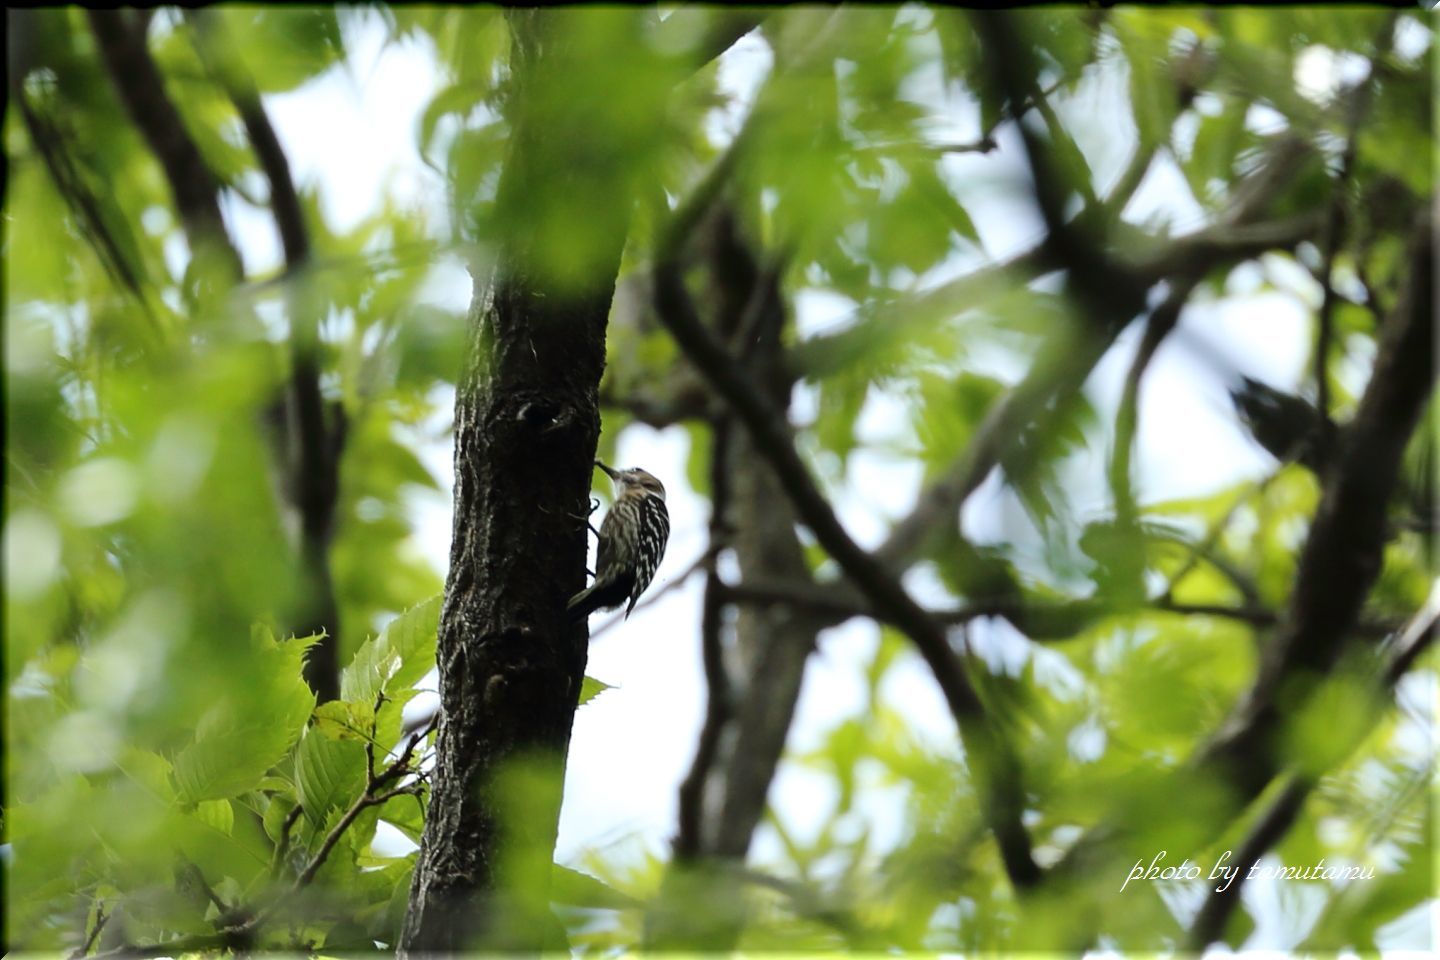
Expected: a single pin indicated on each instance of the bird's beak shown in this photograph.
(613, 474)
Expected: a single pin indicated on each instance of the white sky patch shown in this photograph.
(351, 132)
(1320, 72)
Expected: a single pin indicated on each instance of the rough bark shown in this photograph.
(511, 663)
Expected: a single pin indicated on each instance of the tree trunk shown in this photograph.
(526, 424)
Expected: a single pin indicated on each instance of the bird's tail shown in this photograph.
(600, 595)
(581, 605)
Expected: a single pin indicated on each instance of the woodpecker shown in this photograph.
(632, 542)
(1289, 427)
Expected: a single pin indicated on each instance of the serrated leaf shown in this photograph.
(345, 720)
(590, 688)
(329, 773)
(237, 742)
(396, 658)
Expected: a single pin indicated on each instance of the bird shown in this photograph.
(632, 544)
(1289, 427)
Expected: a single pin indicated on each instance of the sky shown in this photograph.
(353, 132)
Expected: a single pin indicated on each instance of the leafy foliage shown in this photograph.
(169, 773)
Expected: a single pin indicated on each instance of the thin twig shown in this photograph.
(101, 918)
(1274, 823)
(1207, 547)
(1162, 320)
(283, 846)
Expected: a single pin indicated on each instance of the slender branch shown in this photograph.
(1162, 320)
(1274, 823)
(283, 847)
(992, 764)
(721, 29)
(219, 57)
(333, 837)
(101, 918)
(985, 144)
(1228, 243)
(1415, 639)
(314, 445)
(1039, 621)
(121, 38)
(718, 704)
(1343, 554)
(1209, 925)
(1356, 105)
(85, 206)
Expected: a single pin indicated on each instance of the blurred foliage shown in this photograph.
(158, 735)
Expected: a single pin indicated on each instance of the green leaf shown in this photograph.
(458, 99)
(284, 47)
(274, 817)
(345, 720)
(216, 813)
(237, 742)
(1153, 100)
(329, 773)
(590, 688)
(399, 656)
(1218, 141)
(575, 889)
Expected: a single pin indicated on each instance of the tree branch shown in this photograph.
(1343, 554)
(992, 765)
(314, 442)
(718, 704)
(101, 918)
(120, 35)
(1209, 924)
(1037, 621)
(1339, 564)
(1162, 320)
(1066, 361)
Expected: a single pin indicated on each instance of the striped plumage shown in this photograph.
(632, 543)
